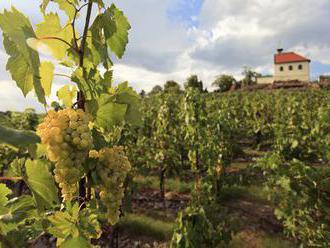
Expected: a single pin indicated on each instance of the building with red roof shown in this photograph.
(289, 66)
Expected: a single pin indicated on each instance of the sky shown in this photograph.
(172, 39)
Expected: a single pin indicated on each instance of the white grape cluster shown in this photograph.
(112, 168)
(68, 139)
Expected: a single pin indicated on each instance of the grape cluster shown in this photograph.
(68, 139)
(112, 168)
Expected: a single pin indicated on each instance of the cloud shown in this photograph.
(12, 98)
(172, 39)
(247, 32)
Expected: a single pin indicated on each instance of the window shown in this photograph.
(281, 68)
(300, 67)
(290, 68)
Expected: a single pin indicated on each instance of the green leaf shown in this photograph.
(86, 87)
(106, 82)
(4, 191)
(23, 63)
(78, 242)
(21, 209)
(44, 5)
(119, 39)
(96, 50)
(41, 183)
(127, 95)
(67, 94)
(294, 144)
(63, 225)
(64, 5)
(51, 27)
(109, 113)
(16, 168)
(46, 74)
(18, 138)
(114, 25)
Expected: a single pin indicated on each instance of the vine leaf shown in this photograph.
(4, 191)
(21, 209)
(46, 75)
(64, 5)
(50, 28)
(18, 138)
(66, 94)
(114, 25)
(23, 63)
(126, 95)
(76, 242)
(64, 226)
(16, 168)
(41, 183)
(109, 113)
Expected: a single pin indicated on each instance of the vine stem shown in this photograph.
(59, 39)
(62, 75)
(10, 178)
(81, 98)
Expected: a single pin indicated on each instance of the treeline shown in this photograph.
(222, 83)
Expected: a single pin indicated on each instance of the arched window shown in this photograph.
(281, 68)
(290, 68)
(300, 67)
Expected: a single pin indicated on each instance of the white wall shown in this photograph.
(265, 80)
(294, 74)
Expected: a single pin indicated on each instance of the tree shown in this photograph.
(142, 94)
(223, 82)
(193, 82)
(172, 87)
(250, 76)
(155, 90)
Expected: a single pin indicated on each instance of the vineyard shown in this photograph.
(107, 167)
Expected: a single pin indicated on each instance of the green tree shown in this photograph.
(172, 87)
(142, 94)
(193, 82)
(155, 90)
(250, 76)
(223, 82)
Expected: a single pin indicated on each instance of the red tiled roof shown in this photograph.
(289, 57)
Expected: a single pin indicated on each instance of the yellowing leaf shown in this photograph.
(51, 28)
(46, 75)
(4, 191)
(67, 94)
(23, 63)
(64, 5)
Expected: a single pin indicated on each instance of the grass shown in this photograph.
(253, 192)
(171, 184)
(260, 241)
(142, 225)
(239, 165)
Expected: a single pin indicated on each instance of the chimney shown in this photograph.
(280, 50)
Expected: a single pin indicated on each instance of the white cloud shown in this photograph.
(12, 98)
(229, 35)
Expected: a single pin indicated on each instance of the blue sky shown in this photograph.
(171, 39)
(186, 11)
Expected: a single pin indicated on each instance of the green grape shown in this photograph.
(60, 131)
(112, 168)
